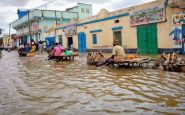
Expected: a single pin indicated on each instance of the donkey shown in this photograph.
(95, 57)
(169, 62)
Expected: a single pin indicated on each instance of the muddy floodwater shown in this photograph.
(36, 86)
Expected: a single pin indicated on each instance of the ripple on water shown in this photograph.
(36, 86)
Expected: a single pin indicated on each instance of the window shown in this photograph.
(82, 10)
(94, 39)
(87, 11)
(116, 21)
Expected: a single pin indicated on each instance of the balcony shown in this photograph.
(45, 14)
(20, 22)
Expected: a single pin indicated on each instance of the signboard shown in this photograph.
(35, 26)
(70, 30)
(179, 19)
(177, 3)
(146, 16)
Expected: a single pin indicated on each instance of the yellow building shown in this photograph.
(152, 27)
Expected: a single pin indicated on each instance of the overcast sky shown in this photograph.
(8, 8)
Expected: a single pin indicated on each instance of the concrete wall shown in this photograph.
(87, 8)
(105, 21)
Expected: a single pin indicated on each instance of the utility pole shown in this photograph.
(10, 25)
(56, 24)
(29, 25)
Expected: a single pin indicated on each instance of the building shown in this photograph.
(6, 40)
(1, 41)
(152, 27)
(41, 24)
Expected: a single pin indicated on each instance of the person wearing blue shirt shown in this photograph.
(27, 48)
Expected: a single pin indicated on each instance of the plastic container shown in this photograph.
(68, 53)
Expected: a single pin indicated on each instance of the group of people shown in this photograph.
(56, 50)
(27, 49)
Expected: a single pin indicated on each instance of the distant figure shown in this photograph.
(40, 46)
(9, 48)
(55, 52)
(33, 47)
(72, 47)
(21, 46)
(21, 50)
(27, 48)
(1, 54)
(58, 49)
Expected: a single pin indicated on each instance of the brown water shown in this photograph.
(35, 86)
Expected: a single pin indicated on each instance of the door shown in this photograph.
(82, 42)
(50, 41)
(118, 36)
(60, 40)
(183, 40)
(70, 42)
(24, 40)
(147, 38)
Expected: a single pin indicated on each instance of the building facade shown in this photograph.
(152, 27)
(40, 25)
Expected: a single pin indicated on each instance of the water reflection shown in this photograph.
(35, 86)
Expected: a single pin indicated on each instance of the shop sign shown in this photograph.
(70, 30)
(146, 16)
(177, 3)
(35, 26)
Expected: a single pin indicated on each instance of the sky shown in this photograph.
(8, 8)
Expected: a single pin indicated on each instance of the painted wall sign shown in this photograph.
(70, 30)
(146, 16)
(177, 3)
(179, 19)
(176, 34)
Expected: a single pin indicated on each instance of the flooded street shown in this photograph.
(36, 86)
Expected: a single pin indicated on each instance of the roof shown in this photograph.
(71, 8)
(22, 10)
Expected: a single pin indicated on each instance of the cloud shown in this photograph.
(13, 2)
(7, 16)
(8, 8)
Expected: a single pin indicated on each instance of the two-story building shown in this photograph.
(41, 24)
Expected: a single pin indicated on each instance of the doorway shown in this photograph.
(117, 35)
(70, 42)
(60, 40)
(50, 41)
